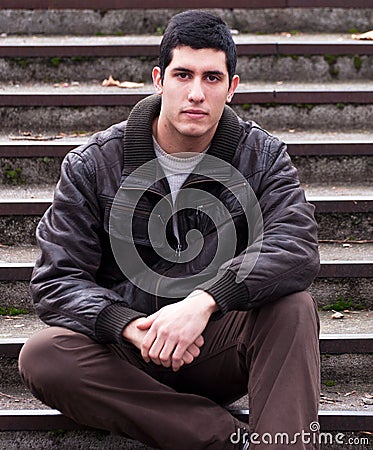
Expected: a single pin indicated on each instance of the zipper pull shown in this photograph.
(178, 250)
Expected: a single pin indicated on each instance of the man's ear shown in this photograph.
(157, 80)
(232, 88)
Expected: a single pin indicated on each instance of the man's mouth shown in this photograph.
(195, 113)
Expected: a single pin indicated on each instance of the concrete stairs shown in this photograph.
(303, 78)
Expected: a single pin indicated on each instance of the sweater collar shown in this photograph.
(138, 141)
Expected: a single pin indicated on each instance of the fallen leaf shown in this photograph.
(2, 394)
(122, 84)
(337, 315)
(367, 401)
(349, 393)
(364, 36)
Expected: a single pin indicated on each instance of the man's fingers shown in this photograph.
(187, 358)
(165, 354)
(199, 341)
(147, 344)
(194, 350)
(144, 323)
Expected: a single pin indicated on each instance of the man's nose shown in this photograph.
(196, 93)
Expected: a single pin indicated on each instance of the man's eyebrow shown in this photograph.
(182, 69)
(208, 72)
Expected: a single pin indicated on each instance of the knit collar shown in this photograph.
(138, 141)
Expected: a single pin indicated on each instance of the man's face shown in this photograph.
(194, 91)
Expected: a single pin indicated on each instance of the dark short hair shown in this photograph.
(198, 29)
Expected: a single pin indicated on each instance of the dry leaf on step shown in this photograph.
(121, 84)
(337, 315)
(364, 36)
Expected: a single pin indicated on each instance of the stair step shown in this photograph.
(329, 343)
(342, 216)
(298, 143)
(15, 420)
(349, 159)
(132, 18)
(324, 204)
(18, 271)
(144, 45)
(328, 106)
(299, 117)
(302, 57)
(160, 4)
(258, 93)
(344, 252)
(356, 324)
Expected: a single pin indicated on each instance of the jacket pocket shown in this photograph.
(136, 225)
(214, 214)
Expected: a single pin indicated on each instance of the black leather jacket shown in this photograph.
(77, 282)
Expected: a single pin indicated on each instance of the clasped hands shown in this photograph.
(172, 336)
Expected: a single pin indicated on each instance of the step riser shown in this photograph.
(335, 226)
(22, 171)
(327, 20)
(327, 291)
(308, 116)
(90, 119)
(266, 68)
(300, 68)
(20, 230)
(345, 170)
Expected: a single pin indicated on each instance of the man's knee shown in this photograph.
(297, 308)
(40, 363)
(292, 315)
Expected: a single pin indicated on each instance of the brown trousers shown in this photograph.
(271, 353)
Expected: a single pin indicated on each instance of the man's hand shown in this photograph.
(174, 333)
(134, 333)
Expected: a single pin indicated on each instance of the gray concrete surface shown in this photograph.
(354, 322)
(19, 230)
(70, 440)
(311, 169)
(328, 251)
(317, 189)
(299, 118)
(327, 291)
(313, 68)
(90, 441)
(89, 22)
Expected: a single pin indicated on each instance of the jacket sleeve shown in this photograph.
(288, 259)
(63, 284)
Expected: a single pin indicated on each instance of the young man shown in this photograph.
(152, 331)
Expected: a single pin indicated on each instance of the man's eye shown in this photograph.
(183, 76)
(213, 78)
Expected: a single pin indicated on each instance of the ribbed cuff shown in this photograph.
(112, 321)
(229, 294)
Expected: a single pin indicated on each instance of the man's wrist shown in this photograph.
(208, 299)
(130, 331)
